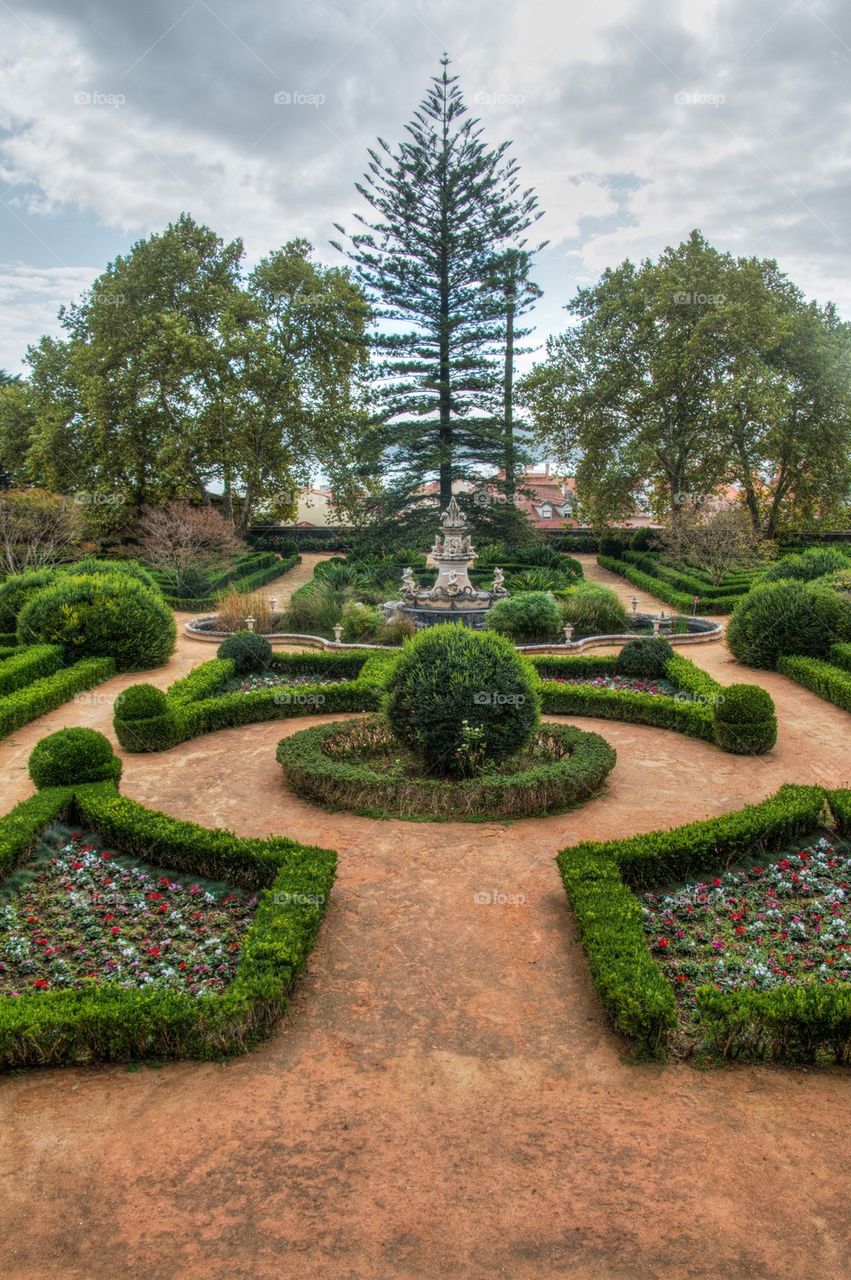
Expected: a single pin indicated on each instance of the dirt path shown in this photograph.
(444, 1098)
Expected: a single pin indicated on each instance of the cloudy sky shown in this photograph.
(635, 120)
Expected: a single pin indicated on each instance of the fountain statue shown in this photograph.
(453, 597)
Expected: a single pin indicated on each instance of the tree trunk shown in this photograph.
(508, 391)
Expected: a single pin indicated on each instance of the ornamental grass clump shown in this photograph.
(528, 618)
(450, 683)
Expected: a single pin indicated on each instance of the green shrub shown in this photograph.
(396, 631)
(247, 651)
(745, 722)
(18, 590)
(787, 618)
(143, 720)
(101, 616)
(594, 610)
(49, 692)
(646, 658)
(28, 665)
(682, 601)
(830, 682)
(127, 569)
(193, 583)
(529, 618)
(813, 563)
(333, 764)
(360, 621)
(73, 756)
(449, 680)
(840, 656)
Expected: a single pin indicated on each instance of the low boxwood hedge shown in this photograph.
(600, 877)
(682, 601)
(26, 664)
(322, 764)
(241, 576)
(49, 692)
(830, 682)
(197, 704)
(114, 1024)
(745, 723)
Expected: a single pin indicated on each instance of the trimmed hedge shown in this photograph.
(197, 705)
(51, 691)
(239, 576)
(840, 656)
(27, 664)
(321, 763)
(680, 600)
(689, 580)
(745, 722)
(823, 678)
(113, 1024)
(599, 878)
(689, 712)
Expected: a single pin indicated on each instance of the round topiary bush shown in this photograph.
(462, 699)
(71, 756)
(745, 722)
(647, 657)
(781, 618)
(532, 617)
(101, 615)
(247, 651)
(143, 719)
(18, 590)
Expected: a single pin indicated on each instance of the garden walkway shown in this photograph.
(444, 1098)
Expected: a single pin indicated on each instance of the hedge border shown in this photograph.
(689, 582)
(600, 879)
(57, 1028)
(49, 692)
(664, 591)
(357, 787)
(245, 583)
(29, 663)
(194, 705)
(822, 678)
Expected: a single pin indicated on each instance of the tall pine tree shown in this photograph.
(444, 204)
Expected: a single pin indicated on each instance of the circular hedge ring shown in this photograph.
(354, 765)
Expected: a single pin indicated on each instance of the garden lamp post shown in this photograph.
(250, 622)
(338, 633)
(656, 622)
(634, 603)
(273, 603)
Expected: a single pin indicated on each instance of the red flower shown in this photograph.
(41, 982)
(663, 942)
(115, 930)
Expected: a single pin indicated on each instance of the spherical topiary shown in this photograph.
(16, 591)
(526, 618)
(71, 756)
(461, 699)
(143, 719)
(781, 618)
(745, 722)
(646, 658)
(101, 615)
(247, 651)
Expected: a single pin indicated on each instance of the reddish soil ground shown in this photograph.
(444, 1097)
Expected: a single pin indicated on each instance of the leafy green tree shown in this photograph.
(442, 205)
(508, 275)
(16, 425)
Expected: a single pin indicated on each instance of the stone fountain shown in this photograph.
(453, 598)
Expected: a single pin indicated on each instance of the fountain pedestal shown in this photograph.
(453, 598)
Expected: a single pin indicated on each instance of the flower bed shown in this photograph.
(86, 915)
(362, 767)
(790, 1017)
(623, 684)
(103, 1020)
(209, 697)
(259, 680)
(787, 921)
